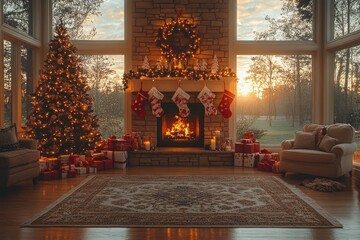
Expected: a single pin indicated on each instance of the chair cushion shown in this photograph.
(8, 139)
(327, 143)
(19, 157)
(304, 140)
(344, 133)
(308, 156)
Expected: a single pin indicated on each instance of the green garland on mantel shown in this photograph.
(188, 74)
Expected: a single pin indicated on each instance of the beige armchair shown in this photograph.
(319, 150)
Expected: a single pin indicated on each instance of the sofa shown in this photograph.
(19, 158)
(319, 150)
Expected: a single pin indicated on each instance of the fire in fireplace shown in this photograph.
(176, 131)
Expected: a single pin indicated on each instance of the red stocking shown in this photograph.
(224, 106)
(138, 105)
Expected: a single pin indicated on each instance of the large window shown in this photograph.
(274, 20)
(103, 73)
(7, 83)
(346, 17)
(347, 86)
(92, 19)
(18, 14)
(280, 86)
(26, 82)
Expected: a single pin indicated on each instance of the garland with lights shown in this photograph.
(167, 34)
(188, 74)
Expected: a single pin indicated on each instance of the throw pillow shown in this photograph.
(8, 139)
(327, 143)
(305, 140)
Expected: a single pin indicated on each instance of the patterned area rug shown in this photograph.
(184, 201)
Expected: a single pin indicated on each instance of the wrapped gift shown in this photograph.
(239, 147)
(43, 165)
(73, 159)
(122, 145)
(64, 175)
(99, 164)
(116, 156)
(64, 159)
(111, 142)
(238, 160)
(91, 169)
(71, 173)
(108, 164)
(256, 146)
(250, 160)
(248, 148)
(121, 165)
(52, 163)
(246, 140)
(80, 170)
(249, 135)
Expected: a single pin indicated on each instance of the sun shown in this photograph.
(243, 88)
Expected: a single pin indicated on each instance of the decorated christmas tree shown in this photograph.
(61, 116)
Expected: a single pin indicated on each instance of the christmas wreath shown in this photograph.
(178, 40)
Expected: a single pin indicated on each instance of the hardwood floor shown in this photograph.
(22, 202)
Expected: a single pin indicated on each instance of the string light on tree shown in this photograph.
(61, 109)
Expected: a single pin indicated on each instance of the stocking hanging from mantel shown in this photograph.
(181, 99)
(224, 106)
(155, 97)
(206, 97)
(138, 105)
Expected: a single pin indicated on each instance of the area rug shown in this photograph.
(184, 201)
(323, 185)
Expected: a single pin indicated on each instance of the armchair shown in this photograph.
(319, 150)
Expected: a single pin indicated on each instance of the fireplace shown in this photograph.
(176, 131)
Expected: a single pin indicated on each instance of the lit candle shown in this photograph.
(212, 144)
(147, 145)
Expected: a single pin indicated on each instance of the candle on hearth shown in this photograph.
(213, 143)
(147, 145)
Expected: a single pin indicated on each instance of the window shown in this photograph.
(280, 86)
(274, 20)
(91, 20)
(18, 14)
(103, 73)
(7, 83)
(346, 17)
(347, 86)
(26, 82)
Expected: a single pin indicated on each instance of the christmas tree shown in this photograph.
(61, 108)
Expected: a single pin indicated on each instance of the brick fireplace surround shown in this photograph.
(212, 20)
(148, 125)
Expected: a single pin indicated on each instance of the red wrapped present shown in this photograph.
(99, 164)
(71, 173)
(239, 147)
(111, 142)
(256, 146)
(122, 145)
(249, 135)
(249, 148)
(108, 164)
(73, 159)
(245, 140)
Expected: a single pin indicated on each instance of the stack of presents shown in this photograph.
(113, 155)
(248, 154)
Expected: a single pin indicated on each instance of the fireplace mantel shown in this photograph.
(170, 85)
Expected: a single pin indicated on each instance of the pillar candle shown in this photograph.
(147, 145)
(212, 144)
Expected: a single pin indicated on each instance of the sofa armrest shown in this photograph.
(28, 143)
(344, 149)
(287, 144)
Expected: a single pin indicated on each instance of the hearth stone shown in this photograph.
(180, 156)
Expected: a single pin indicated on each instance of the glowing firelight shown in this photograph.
(179, 129)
